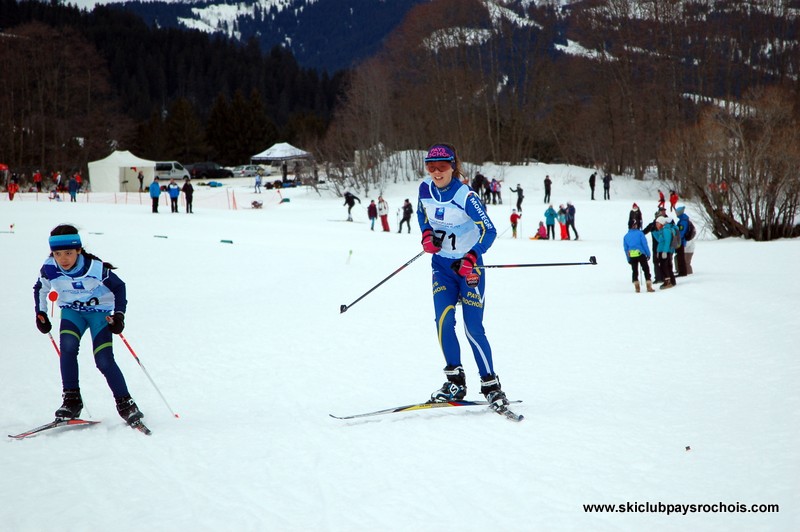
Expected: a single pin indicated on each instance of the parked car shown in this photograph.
(248, 170)
(171, 170)
(208, 170)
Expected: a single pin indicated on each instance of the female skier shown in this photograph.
(457, 231)
(90, 296)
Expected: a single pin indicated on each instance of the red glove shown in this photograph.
(464, 265)
(430, 243)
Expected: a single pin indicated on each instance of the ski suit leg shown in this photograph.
(72, 328)
(448, 289)
(104, 354)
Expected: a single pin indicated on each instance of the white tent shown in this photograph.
(118, 172)
(281, 151)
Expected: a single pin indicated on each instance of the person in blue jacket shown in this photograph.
(155, 192)
(90, 296)
(457, 231)
(550, 216)
(663, 235)
(174, 192)
(637, 253)
(683, 225)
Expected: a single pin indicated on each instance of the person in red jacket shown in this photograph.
(514, 220)
(13, 188)
(673, 200)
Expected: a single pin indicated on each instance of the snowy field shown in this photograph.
(682, 397)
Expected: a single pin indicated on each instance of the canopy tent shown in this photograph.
(281, 151)
(119, 172)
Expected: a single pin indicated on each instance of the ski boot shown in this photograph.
(128, 410)
(455, 389)
(71, 406)
(490, 388)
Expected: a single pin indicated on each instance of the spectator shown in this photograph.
(350, 201)
(547, 185)
(562, 221)
(408, 210)
(680, 253)
(140, 177)
(637, 253)
(188, 192)
(174, 192)
(520, 197)
(571, 219)
(673, 200)
(13, 188)
(514, 220)
(607, 186)
(688, 253)
(372, 212)
(665, 229)
(661, 199)
(550, 216)
(155, 193)
(592, 180)
(37, 180)
(383, 212)
(541, 233)
(72, 188)
(636, 215)
(651, 228)
(258, 184)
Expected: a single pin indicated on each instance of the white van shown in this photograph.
(171, 170)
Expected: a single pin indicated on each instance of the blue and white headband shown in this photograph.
(61, 242)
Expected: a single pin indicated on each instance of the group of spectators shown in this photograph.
(672, 245)
(73, 185)
(174, 192)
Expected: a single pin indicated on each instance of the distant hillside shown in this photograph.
(325, 34)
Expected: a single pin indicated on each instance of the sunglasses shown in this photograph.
(438, 166)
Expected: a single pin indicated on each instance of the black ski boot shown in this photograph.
(455, 389)
(490, 388)
(128, 410)
(71, 406)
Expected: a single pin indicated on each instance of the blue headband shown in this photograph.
(59, 242)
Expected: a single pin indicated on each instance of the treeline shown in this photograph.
(106, 77)
(622, 85)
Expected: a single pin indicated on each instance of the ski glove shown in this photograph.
(464, 265)
(116, 323)
(430, 243)
(43, 323)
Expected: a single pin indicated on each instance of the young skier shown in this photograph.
(457, 231)
(90, 296)
(514, 221)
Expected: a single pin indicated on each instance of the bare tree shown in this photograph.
(741, 164)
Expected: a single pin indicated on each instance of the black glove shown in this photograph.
(116, 323)
(43, 323)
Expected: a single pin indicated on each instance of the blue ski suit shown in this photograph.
(456, 215)
(87, 293)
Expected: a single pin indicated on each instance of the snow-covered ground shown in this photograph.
(682, 397)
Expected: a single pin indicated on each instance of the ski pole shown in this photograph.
(343, 308)
(125, 340)
(592, 261)
(55, 346)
